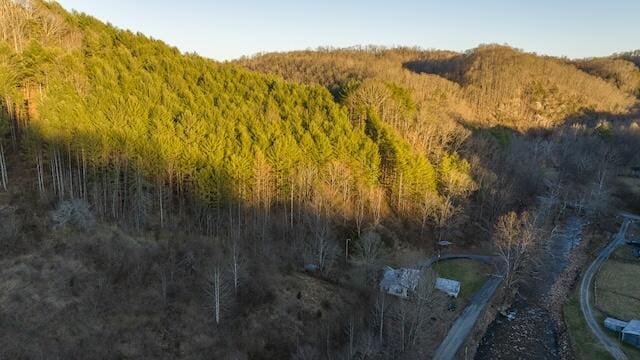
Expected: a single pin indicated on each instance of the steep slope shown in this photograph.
(622, 73)
(490, 85)
(226, 183)
(112, 112)
(510, 87)
(423, 108)
(633, 56)
(134, 99)
(340, 69)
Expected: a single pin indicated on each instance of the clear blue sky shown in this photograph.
(229, 29)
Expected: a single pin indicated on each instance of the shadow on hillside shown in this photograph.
(109, 290)
(566, 161)
(448, 68)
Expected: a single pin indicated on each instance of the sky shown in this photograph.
(225, 30)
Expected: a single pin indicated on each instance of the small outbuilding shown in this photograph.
(614, 324)
(399, 282)
(631, 333)
(448, 286)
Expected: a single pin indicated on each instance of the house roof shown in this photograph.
(616, 324)
(633, 327)
(615, 321)
(405, 278)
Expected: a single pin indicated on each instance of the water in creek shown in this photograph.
(530, 332)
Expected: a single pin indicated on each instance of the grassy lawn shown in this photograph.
(618, 294)
(471, 274)
(628, 192)
(632, 184)
(623, 253)
(584, 344)
(618, 289)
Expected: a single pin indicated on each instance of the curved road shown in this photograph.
(585, 288)
(434, 259)
(465, 322)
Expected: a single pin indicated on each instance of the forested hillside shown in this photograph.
(620, 72)
(633, 56)
(189, 125)
(184, 195)
(489, 85)
(427, 106)
(159, 204)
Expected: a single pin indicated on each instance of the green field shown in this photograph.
(471, 274)
(617, 294)
(584, 344)
(617, 289)
(632, 184)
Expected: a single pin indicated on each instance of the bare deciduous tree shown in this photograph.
(235, 265)
(409, 317)
(379, 312)
(369, 247)
(217, 290)
(514, 235)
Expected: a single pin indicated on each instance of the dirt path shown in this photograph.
(585, 287)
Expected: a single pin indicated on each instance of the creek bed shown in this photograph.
(529, 331)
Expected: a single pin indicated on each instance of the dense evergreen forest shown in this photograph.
(175, 200)
(190, 126)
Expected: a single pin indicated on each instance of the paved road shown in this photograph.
(467, 319)
(585, 288)
(485, 258)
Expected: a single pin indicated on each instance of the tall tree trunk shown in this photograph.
(3, 169)
(84, 176)
(161, 203)
(381, 317)
(70, 172)
(40, 172)
(115, 194)
(216, 294)
(53, 175)
(235, 266)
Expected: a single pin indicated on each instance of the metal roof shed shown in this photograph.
(450, 287)
(631, 333)
(614, 324)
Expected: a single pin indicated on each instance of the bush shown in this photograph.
(9, 224)
(75, 213)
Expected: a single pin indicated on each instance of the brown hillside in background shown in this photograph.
(490, 85)
(622, 73)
